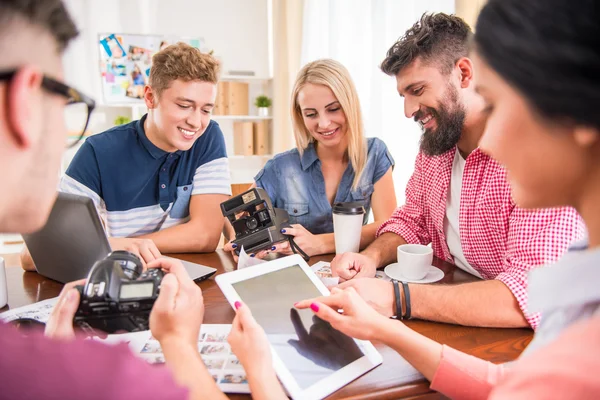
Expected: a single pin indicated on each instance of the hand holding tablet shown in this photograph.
(250, 345)
(247, 339)
(310, 357)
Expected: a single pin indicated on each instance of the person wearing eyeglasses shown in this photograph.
(33, 99)
(158, 182)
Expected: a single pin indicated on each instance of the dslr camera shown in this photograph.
(256, 223)
(118, 295)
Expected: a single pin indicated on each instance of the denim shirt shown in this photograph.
(296, 184)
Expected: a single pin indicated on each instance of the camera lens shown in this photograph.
(251, 223)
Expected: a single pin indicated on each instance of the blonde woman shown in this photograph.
(333, 162)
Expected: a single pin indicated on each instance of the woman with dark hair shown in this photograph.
(538, 66)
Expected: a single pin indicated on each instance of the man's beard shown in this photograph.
(449, 125)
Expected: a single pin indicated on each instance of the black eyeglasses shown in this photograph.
(75, 100)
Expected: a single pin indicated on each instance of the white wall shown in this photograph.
(237, 30)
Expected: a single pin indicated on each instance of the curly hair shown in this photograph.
(436, 38)
(182, 61)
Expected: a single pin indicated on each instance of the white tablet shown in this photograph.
(311, 358)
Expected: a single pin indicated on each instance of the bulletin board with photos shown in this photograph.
(125, 62)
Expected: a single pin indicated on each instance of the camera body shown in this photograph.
(118, 294)
(256, 223)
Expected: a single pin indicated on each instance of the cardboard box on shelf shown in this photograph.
(261, 138)
(237, 98)
(243, 138)
(232, 98)
(221, 103)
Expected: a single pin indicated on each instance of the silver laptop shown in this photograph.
(73, 239)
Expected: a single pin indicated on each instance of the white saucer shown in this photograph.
(434, 274)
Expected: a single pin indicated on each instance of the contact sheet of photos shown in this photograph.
(39, 311)
(223, 365)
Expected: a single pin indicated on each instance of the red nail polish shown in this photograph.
(237, 304)
(314, 307)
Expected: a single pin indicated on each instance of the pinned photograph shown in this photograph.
(137, 53)
(113, 46)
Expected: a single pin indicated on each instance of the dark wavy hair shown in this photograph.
(435, 38)
(549, 51)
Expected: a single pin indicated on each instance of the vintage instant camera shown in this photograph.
(118, 295)
(256, 223)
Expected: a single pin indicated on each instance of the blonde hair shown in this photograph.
(181, 61)
(335, 76)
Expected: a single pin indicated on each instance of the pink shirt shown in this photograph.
(499, 240)
(36, 367)
(565, 369)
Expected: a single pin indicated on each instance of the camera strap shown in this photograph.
(296, 249)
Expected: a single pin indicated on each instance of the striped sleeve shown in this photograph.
(72, 186)
(213, 177)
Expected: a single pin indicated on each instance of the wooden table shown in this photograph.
(496, 345)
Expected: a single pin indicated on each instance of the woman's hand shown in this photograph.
(230, 247)
(249, 343)
(358, 319)
(311, 244)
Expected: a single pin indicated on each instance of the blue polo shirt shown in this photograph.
(139, 188)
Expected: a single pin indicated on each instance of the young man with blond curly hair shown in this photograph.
(163, 177)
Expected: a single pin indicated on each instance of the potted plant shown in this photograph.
(122, 120)
(263, 103)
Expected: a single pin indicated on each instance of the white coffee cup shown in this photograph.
(347, 226)
(3, 286)
(414, 260)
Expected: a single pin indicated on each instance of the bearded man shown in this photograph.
(458, 199)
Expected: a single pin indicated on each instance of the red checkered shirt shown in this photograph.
(499, 240)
